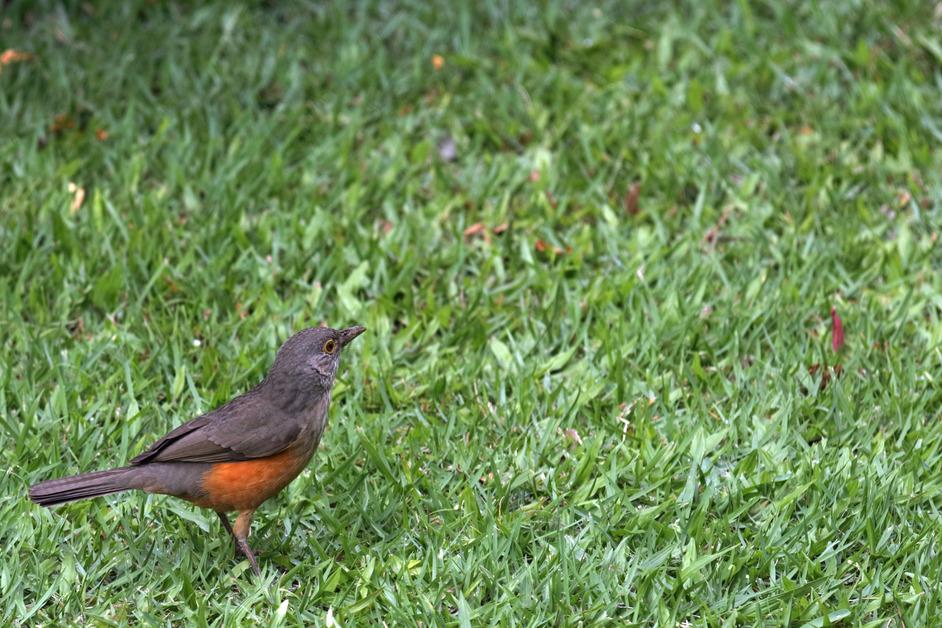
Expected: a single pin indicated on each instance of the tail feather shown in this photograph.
(83, 486)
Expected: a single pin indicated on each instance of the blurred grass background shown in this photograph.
(595, 246)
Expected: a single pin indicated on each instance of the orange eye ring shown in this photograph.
(330, 346)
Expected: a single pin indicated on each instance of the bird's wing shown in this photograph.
(247, 427)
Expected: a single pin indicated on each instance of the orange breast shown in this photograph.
(246, 484)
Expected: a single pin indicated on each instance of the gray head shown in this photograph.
(306, 364)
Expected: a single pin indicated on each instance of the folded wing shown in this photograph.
(245, 428)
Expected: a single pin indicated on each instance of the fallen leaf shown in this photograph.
(76, 327)
(477, 228)
(13, 56)
(713, 233)
(542, 247)
(502, 227)
(437, 62)
(631, 199)
(827, 373)
(62, 122)
(78, 197)
(101, 134)
(837, 330)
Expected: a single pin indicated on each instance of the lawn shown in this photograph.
(596, 249)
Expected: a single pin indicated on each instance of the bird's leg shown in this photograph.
(241, 533)
(228, 527)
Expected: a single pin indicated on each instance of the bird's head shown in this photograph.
(307, 362)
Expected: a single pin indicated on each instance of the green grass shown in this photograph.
(267, 169)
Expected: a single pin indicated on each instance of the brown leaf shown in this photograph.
(76, 327)
(713, 233)
(62, 122)
(827, 373)
(631, 199)
(542, 247)
(477, 228)
(502, 227)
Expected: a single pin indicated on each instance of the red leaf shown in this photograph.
(837, 329)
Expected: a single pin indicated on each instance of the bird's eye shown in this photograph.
(330, 346)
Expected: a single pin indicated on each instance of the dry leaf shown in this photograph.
(437, 62)
(62, 122)
(76, 327)
(542, 247)
(78, 197)
(502, 227)
(713, 233)
(827, 373)
(631, 199)
(13, 56)
(477, 229)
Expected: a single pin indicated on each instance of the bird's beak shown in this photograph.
(348, 334)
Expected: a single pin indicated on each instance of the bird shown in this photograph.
(240, 454)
